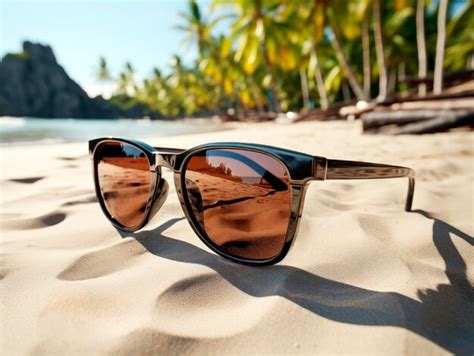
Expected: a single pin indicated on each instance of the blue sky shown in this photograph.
(81, 31)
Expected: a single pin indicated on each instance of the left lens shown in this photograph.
(241, 200)
(125, 180)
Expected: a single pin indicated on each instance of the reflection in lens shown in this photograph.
(125, 181)
(241, 199)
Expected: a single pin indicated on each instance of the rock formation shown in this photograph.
(33, 84)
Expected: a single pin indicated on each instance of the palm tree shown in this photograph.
(315, 47)
(103, 72)
(177, 82)
(440, 41)
(399, 26)
(315, 67)
(421, 45)
(379, 51)
(460, 39)
(156, 94)
(197, 28)
(344, 62)
(340, 12)
(296, 50)
(126, 82)
(366, 55)
(304, 87)
(259, 33)
(316, 25)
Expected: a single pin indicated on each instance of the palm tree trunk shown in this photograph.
(270, 71)
(323, 99)
(274, 90)
(421, 45)
(392, 80)
(379, 51)
(275, 97)
(366, 55)
(254, 90)
(273, 87)
(439, 60)
(343, 61)
(470, 62)
(401, 75)
(346, 92)
(304, 88)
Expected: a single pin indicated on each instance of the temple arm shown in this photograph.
(337, 169)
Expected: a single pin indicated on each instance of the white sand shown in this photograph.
(363, 276)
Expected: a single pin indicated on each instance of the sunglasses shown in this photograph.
(244, 201)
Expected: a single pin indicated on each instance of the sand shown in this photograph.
(363, 276)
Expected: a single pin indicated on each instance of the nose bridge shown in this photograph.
(165, 159)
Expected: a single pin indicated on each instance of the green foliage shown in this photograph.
(270, 41)
(460, 44)
(21, 56)
(124, 101)
(103, 72)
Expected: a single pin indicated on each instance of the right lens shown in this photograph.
(241, 200)
(123, 173)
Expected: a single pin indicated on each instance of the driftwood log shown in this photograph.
(438, 124)
(420, 125)
(319, 114)
(448, 78)
(251, 116)
(451, 104)
(377, 119)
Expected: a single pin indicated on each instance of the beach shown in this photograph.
(363, 276)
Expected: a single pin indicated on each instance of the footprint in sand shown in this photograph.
(375, 225)
(70, 158)
(29, 180)
(155, 342)
(3, 272)
(184, 307)
(39, 222)
(88, 200)
(103, 262)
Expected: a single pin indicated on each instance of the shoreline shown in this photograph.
(37, 131)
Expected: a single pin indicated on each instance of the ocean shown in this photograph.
(24, 131)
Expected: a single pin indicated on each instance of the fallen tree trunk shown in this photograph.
(320, 114)
(376, 119)
(452, 104)
(437, 124)
(250, 116)
(448, 78)
(464, 90)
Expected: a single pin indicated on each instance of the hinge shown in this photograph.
(320, 168)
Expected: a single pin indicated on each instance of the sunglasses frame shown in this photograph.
(301, 169)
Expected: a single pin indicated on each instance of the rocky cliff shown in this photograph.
(32, 83)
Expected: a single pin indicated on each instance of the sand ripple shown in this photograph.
(40, 222)
(103, 262)
(186, 306)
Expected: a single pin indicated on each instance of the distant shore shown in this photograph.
(18, 130)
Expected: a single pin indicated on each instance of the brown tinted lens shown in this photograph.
(124, 176)
(241, 200)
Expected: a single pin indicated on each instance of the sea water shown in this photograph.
(37, 131)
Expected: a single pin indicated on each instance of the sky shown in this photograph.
(81, 31)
